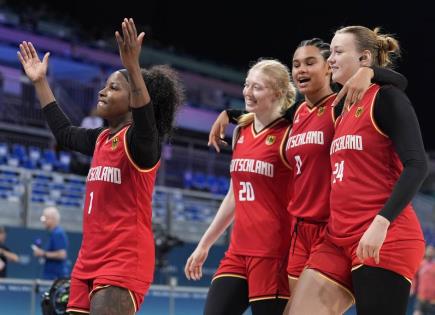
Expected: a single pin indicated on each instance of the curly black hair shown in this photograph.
(166, 93)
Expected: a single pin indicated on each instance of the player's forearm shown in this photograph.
(139, 91)
(221, 221)
(44, 92)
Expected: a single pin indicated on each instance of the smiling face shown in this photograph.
(114, 98)
(310, 71)
(344, 59)
(259, 94)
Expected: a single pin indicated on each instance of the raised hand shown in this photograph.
(33, 67)
(129, 43)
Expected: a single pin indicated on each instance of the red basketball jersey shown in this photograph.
(261, 186)
(365, 167)
(117, 231)
(307, 151)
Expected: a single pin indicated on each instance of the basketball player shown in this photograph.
(307, 151)
(115, 264)
(378, 163)
(252, 273)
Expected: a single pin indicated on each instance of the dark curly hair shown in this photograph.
(166, 93)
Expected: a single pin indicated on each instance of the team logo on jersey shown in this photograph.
(270, 140)
(358, 111)
(320, 111)
(115, 142)
(241, 139)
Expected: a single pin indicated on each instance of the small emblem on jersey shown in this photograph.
(241, 139)
(296, 120)
(358, 111)
(115, 142)
(320, 111)
(270, 140)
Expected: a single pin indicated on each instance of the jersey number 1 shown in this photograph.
(91, 197)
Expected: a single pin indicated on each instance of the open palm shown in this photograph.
(34, 68)
(129, 43)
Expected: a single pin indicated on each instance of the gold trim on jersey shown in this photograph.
(356, 267)
(97, 288)
(133, 300)
(320, 103)
(267, 127)
(100, 135)
(269, 297)
(75, 310)
(293, 278)
(372, 106)
(110, 285)
(337, 284)
(359, 266)
(144, 170)
(116, 135)
(299, 108)
(232, 275)
(282, 148)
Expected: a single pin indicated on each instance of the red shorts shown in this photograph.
(306, 236)
(266, 277)
(332, 261)
(399, 255)
(81, 292)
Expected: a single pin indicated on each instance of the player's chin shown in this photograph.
(250, 108)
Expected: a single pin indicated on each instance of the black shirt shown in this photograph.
(143, 141)
(395, 116)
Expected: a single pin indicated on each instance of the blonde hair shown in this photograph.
(384, 48)
(278, 76)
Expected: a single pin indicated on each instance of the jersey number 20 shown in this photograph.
(246, 193)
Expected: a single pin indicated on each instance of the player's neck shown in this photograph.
(262, 120)
(117, 124)
(317, 97)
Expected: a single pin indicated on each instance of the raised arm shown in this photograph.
(68, 136)
(129, 50)
(142, 138)
(36, 71)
